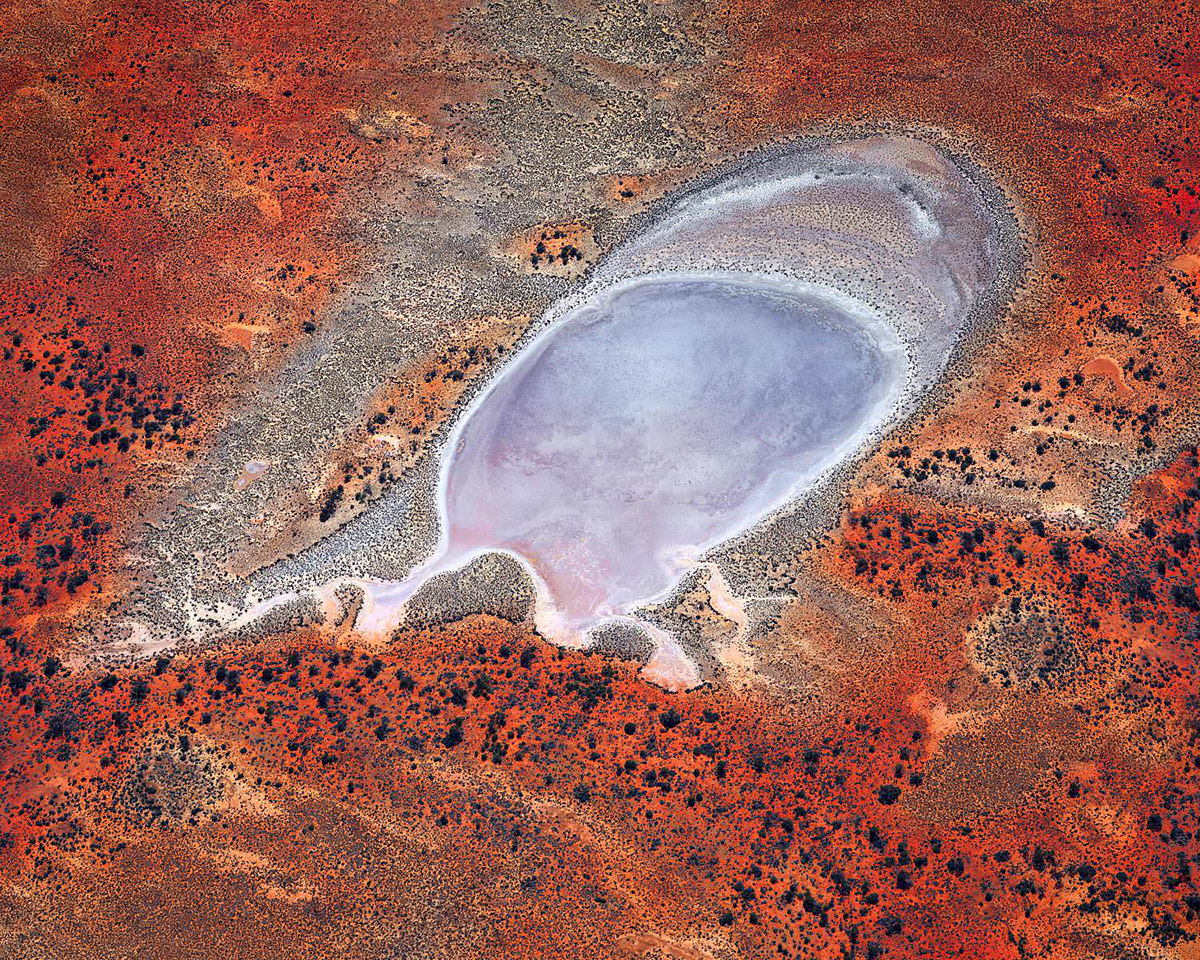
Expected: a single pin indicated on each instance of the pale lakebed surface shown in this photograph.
(655, 421)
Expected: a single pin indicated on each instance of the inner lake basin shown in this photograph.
(658, 419)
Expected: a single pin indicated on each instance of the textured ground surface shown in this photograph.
(255, 259)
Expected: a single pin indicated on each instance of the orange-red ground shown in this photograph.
(175, 175)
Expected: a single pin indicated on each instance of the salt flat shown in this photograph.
(662, 417)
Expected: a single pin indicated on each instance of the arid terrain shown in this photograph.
(259, 260)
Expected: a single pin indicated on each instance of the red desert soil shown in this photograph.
(1107, 367)
(978, 738)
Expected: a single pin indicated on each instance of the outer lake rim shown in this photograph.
(808, 515)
